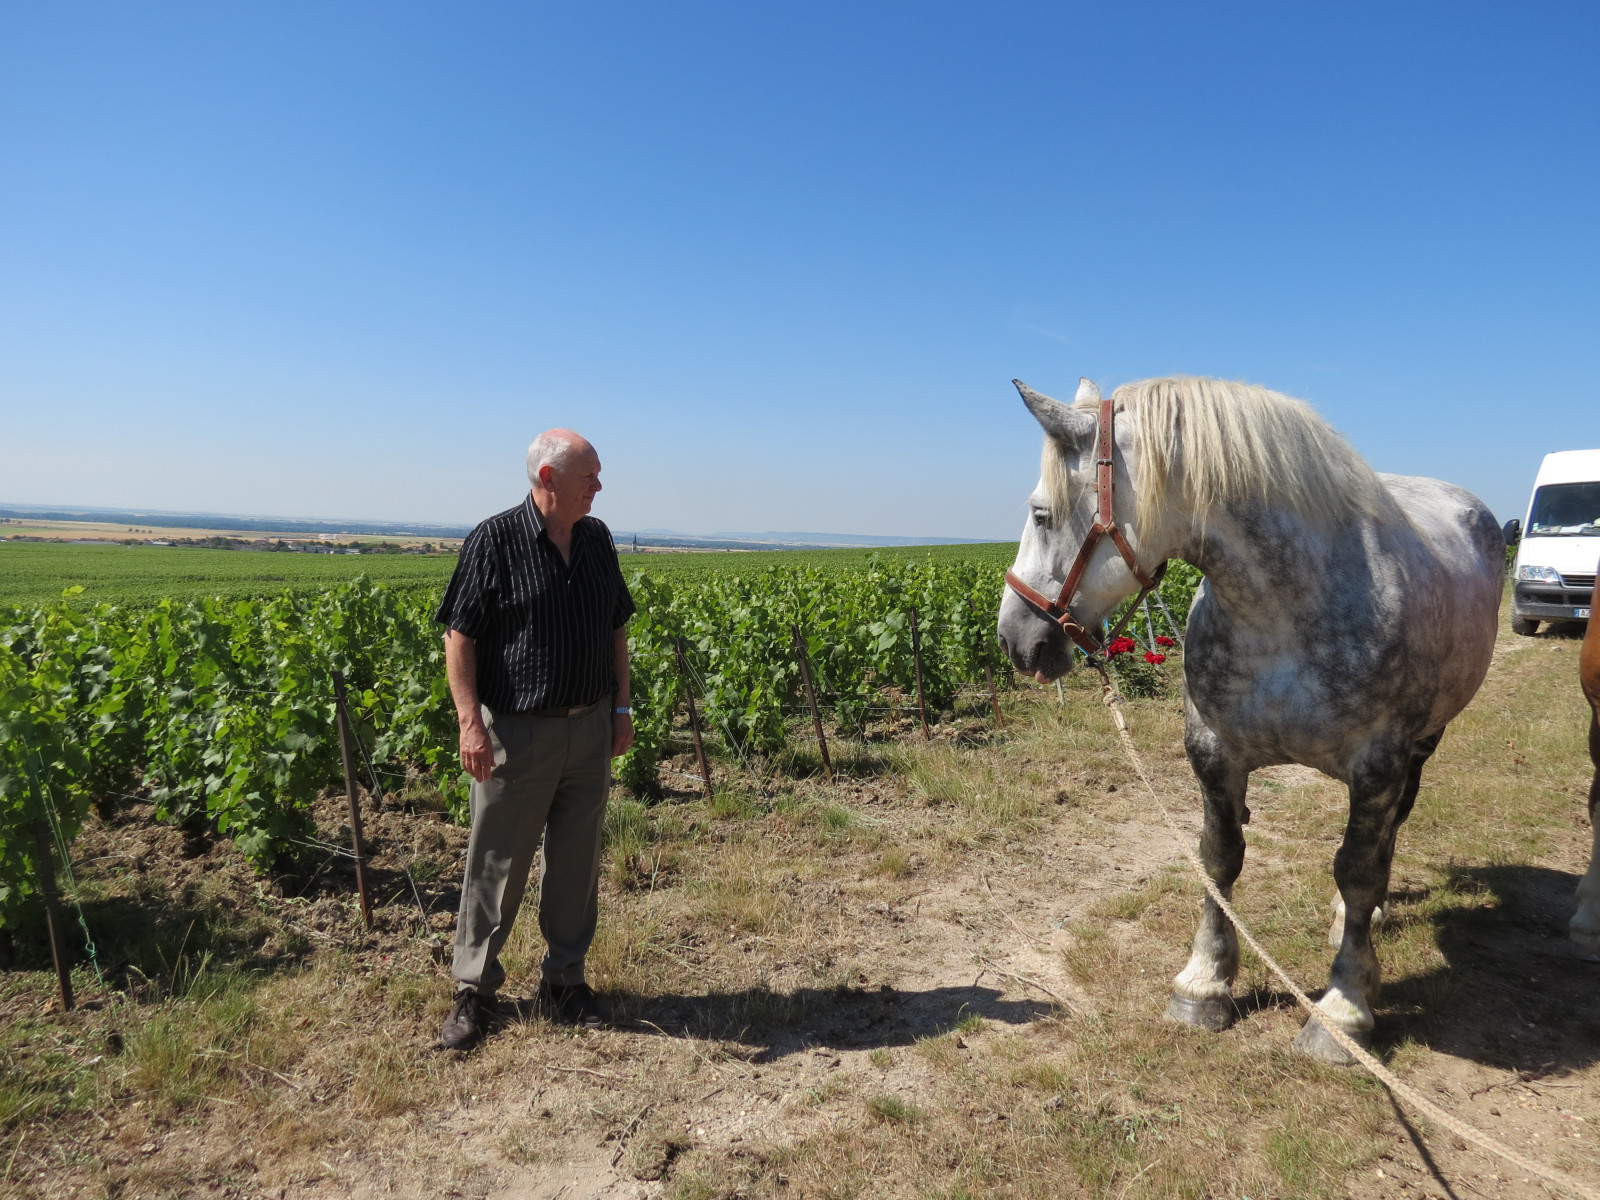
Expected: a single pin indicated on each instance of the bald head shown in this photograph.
(564, 474)
(558, 449)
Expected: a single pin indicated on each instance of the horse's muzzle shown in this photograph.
(1035, 647)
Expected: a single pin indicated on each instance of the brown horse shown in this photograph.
(1585, 926)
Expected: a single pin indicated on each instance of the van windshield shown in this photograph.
(1566, 510)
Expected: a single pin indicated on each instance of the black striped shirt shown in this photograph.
(544, 629)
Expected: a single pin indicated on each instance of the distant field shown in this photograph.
(675, 565)
(36, 572)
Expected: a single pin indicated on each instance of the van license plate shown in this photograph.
(1580, 612)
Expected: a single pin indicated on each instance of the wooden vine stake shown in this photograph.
(694, 717)
(916, 658)
(988, 674)
(347, 751)
(46, 863)
(811, 698)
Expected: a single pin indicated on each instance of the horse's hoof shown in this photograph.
(1314, 1041)
(1215, 1014)
(1585, 943)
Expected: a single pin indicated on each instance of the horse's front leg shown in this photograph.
(1361, 869)
(1202, 994)
(1421, 751)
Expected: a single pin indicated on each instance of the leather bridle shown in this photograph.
(1105, 525)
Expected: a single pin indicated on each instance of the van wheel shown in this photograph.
(1526, 626)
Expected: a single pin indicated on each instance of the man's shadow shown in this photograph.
(769, 1025)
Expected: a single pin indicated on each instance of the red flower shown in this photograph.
(1120, 645)
(1165, 641)
(1150, 656)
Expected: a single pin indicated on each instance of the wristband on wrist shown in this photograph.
(623, 710)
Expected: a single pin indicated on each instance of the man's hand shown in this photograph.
(461, 666)
(621, 733)
(477, 751)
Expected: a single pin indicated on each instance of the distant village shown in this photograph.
(281, 545)
(320, 544)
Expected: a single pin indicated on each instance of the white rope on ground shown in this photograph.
(1400, 1089)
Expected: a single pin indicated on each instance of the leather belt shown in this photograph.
(574, 710)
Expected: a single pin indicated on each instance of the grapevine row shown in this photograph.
(221, 713)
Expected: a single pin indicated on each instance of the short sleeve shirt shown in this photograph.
(544, 628)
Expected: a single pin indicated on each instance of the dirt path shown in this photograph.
(987, 943)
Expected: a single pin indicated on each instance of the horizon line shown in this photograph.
(258, 522)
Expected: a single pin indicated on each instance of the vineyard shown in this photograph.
(939, 972)
(222, 714)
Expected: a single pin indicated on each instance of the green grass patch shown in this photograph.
(731, 804)
(892, 1110)
(1311, 1159)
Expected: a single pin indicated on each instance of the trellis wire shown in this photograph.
(1177, 630)
(728, 738)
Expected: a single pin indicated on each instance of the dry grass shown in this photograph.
(794, 964)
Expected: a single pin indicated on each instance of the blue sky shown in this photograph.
(780, 263)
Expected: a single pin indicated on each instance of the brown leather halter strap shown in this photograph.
(1105, 525)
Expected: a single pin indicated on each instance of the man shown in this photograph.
(536, 648)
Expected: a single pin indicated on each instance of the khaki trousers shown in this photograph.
(550, 780)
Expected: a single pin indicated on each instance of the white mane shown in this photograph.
(1212, 443)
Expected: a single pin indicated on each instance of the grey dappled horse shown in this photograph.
(1345, 618)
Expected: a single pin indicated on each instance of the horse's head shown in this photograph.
(1061, 515)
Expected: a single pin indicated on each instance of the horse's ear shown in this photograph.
(1059, 420)
(1087, 392)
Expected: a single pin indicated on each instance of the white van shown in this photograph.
(1560, 542)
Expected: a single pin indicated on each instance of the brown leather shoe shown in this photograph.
(573, 1004)
(467, 1022)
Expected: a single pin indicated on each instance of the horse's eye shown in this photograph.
(1041, 518)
